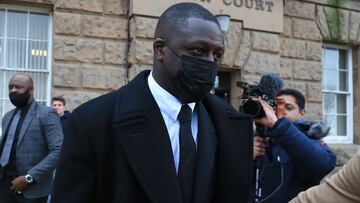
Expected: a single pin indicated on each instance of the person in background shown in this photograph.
(293, 156)
(59, 104)
(343, 186)
(29, 146)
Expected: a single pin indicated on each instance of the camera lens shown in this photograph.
(253, 108)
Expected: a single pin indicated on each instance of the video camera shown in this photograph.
(269, 85)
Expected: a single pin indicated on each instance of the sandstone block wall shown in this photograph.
(91, 45)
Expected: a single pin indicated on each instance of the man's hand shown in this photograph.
(19, 184)
(259, 146)
(270, 117)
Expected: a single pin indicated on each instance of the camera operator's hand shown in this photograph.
(259, 146)
(270, 117)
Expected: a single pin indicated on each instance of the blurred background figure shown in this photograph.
(59, 104)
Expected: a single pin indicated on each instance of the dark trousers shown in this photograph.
(8, 196)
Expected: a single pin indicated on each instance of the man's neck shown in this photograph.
(26, 107)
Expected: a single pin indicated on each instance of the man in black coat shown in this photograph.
(130, 146)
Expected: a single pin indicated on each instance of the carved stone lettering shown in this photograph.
(260, 5)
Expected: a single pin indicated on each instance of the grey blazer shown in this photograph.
(38, 147)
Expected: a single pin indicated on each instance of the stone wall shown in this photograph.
(294, 54)
(335, 24)
(90, 48)
(307, 26)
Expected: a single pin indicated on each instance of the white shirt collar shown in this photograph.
(167, 103)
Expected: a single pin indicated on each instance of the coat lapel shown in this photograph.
(6, 123)
(139, 128)
(234, 155)
(206, 155)
(28, 118)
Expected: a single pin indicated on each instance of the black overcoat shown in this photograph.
(117, 149)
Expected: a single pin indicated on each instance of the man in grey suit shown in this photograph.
(29, 146)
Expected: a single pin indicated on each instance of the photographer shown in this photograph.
(293, 156)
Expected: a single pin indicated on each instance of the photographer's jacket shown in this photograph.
(296, 159)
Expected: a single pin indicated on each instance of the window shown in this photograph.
(337, 93)
(25, 46)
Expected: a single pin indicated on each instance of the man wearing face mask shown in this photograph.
(162, 138)
(29, 146)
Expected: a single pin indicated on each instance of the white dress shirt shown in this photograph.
(170, 107)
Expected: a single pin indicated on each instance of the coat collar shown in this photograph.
(139, 129)
(28, 118)
(207, 145)
(6, 121)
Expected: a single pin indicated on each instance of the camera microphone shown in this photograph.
(270, 84)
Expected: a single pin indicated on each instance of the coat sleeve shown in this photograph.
(76, 174)
(341, 187)
(312, 159)
(53, 135)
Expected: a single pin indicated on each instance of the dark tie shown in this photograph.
(187, 154)
(9, 140)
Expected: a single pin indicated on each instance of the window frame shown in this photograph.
(28, 10)
(348, 139)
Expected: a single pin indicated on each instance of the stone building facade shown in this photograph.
(98, 46)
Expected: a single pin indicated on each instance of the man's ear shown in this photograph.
(302, 113)
(31, 90)
(158, 47)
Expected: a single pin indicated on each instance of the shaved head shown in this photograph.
(21, 89)
(25, 77)
(177, 16)
(185, 30)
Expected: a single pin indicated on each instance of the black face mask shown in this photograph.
(19, 100)
(195, 78)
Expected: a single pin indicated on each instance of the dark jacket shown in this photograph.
(63, 118)
(296, 159)
(38, 147)
(116, 149)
